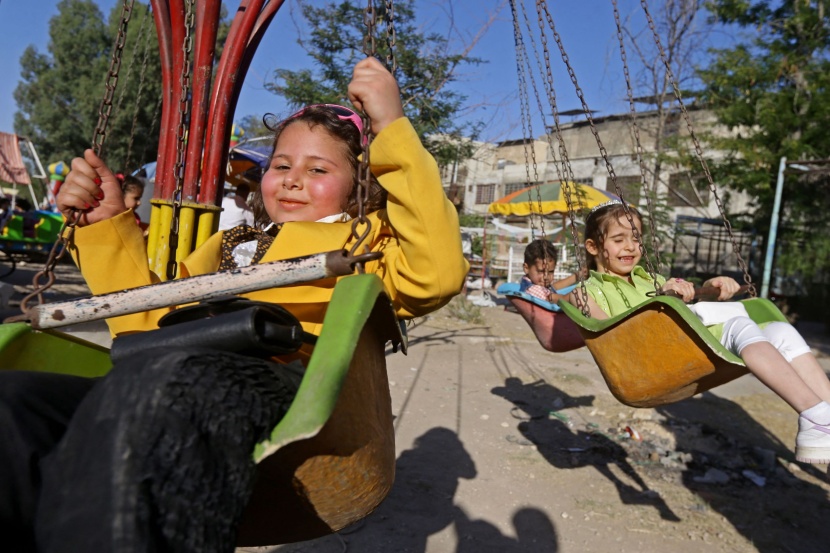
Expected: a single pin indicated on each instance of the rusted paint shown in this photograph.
(176, 292)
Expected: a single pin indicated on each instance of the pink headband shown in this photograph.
(342, 113)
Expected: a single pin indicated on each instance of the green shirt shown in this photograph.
(616, 295)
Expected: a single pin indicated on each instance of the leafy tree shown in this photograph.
(59, 94)
(773, 89)
(426, 68)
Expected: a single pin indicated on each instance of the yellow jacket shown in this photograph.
(422, 266)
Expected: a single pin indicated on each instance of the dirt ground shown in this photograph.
(505, 447)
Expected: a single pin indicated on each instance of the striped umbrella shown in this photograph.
(527, 200)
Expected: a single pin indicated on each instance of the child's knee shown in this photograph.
(786, 340)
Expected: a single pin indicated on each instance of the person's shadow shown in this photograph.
(422, 504)
(535, 533)
(537, 403)
(774, 508)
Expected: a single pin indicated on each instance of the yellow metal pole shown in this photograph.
(187, 221)
(208, 223)
(153, 230)
(158, 264)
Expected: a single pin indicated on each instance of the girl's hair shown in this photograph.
(539, 249)
(597, 221)
(129, 183)
(343, 130)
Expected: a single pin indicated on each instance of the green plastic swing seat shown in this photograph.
(331, 460)
(659, 352)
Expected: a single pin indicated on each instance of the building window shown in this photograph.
(687, 190)
(584, 180)
(511, 187)
(485, 193)
(631, 187)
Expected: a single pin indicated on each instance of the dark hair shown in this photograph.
(130, 183)
(539, 249)
(596, 225)
(243, 189)
(347, 132)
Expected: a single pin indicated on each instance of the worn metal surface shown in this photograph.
(176, 292)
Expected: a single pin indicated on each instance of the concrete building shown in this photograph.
(702, 245)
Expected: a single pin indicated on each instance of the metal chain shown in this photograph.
(601, 147)
(364, 170)
(129, 73)
(181, 136)
(391, 37)
(105, 109)
(565, 171)
(541, 109)
(640, 152)
(67, 230)
(527, 128)
(699, 150)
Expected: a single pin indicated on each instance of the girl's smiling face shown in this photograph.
(619, 252)
(309, 177)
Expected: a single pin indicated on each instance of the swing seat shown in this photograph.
(659, 352)
(554, 331)
(331, 460)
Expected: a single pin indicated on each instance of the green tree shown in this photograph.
(59, 93)
(773, 90)
(426, 69)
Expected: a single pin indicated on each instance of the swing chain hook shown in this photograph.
(364, 170)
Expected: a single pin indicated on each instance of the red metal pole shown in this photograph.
(245, 34)
(207, 23)
(168, 156)
(161, 16)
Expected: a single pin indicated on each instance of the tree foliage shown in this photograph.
(772, 90)
(425, 69)
(59, 94)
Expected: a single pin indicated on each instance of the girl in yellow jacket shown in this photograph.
(157, 454)
(306, 202)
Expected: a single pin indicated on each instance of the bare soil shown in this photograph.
(505, 447)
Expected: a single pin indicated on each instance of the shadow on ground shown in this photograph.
(421, 504)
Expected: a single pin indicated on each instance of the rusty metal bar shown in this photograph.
(192, 289)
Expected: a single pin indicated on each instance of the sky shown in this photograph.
(586, 26)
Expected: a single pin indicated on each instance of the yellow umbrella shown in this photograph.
(549, 198)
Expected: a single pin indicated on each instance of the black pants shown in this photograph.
(154, 457)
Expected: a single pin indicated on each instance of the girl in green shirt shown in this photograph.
(776, 354)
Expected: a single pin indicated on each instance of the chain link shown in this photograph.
(181, 136)
(391, 37)
(524, 105)
(638, 145)
(698, 150)
(364, 170)
(67, 230)
(602, 150)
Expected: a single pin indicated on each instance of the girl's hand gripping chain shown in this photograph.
(92, 188)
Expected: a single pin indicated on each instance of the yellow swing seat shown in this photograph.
(659, 352)
(331, 460)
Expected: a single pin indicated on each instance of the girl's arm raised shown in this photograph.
(374, 90)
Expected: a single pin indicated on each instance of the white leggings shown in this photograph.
(740, 332)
